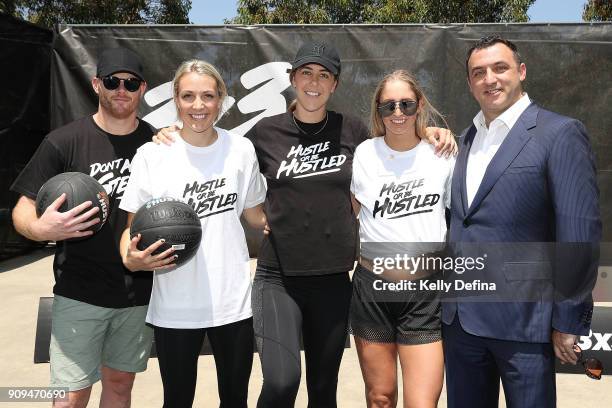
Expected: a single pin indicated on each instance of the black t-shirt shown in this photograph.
(314, 231)
(90, 270)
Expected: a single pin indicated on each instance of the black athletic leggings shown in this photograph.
(178, 351)
(315, 307)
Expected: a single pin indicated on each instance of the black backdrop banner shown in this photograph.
(568, 71)
(25, 52)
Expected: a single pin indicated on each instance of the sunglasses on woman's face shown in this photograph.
(407, 106)
(593, 368)
(112, 82)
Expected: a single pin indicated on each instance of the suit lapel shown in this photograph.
(509, 149)
(461, 165)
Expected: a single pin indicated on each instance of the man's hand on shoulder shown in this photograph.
(165, 135)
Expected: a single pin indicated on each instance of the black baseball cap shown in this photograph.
(115, 60)
(318, 52)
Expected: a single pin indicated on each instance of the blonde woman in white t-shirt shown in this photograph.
(217, 173)
(400, 189)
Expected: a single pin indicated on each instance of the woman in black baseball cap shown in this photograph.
(302, 286)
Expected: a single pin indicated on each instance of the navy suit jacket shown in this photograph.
(540, 187)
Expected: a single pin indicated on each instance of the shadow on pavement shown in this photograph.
(22, 260)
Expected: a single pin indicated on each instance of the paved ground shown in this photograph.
(24, 280)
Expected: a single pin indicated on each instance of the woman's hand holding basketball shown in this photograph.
(137, 260)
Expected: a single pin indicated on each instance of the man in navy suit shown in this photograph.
(525, 180)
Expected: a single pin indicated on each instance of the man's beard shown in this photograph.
(114, 110)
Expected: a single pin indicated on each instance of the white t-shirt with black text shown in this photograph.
(219, 181)
(403, 195)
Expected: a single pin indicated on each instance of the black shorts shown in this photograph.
(383, 316)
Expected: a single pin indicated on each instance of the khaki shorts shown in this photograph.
(85, 337)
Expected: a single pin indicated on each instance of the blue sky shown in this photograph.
(214, 11)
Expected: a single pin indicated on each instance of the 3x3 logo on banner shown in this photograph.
(267, 99)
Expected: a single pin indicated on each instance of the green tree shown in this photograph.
(380, 11)
(49, 12)
(279, 12)
(8, 6)
(597, 10)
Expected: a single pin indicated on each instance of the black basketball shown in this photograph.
(79, 187)
(172, 220)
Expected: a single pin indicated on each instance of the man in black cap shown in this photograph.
(98, 327)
